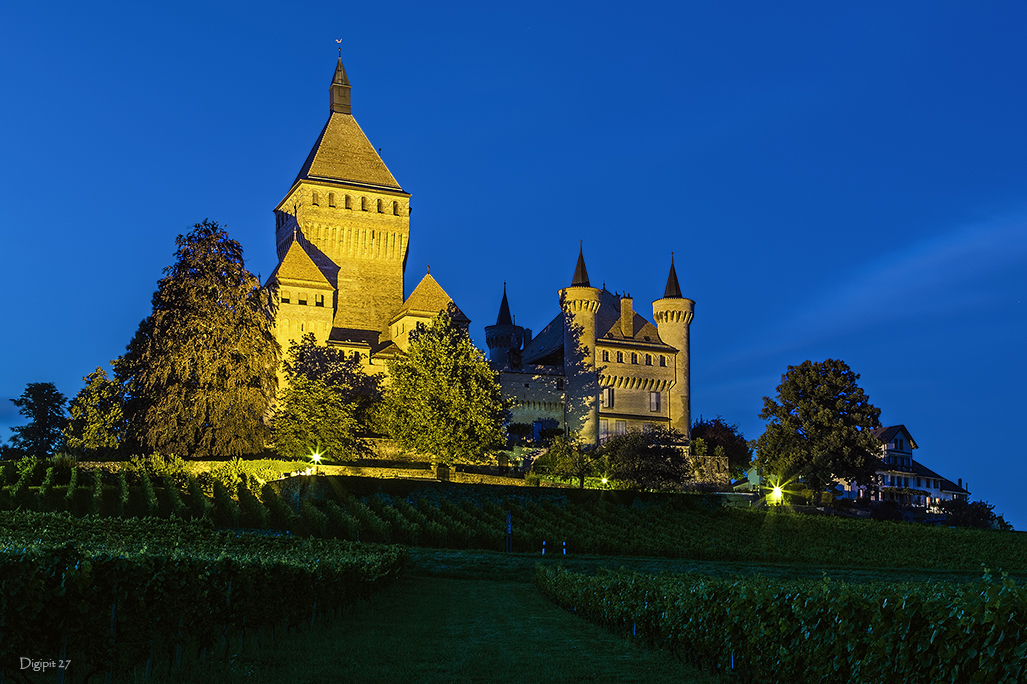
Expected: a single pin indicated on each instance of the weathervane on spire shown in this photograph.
(339, 43)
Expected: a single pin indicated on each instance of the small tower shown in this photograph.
(504, 336)
(579, 303)
(673, 315)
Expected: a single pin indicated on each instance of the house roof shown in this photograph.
(428, 298)
(297, 265)
(343, 154)
(888, 434)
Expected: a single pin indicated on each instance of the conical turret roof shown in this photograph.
(580, 272)
(673, 290)
(504, 311)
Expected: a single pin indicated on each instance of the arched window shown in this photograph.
(346, 202)
(634, 357)
(363, 204)
(663, 360)
(379, 206)
(331, 199)
(395, 208)
(313, 199)
(620, 357)
(648, 359)
(606, 355)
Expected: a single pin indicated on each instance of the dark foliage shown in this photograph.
(43, 405)
(719, 433)
(651, 459)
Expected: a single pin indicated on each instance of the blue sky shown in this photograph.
(835, 181)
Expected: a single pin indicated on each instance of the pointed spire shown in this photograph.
(580, 274)
(339, 90)
(673, 290)
(504, 311)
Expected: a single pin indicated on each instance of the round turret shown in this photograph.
(579, 303)
(673, 315)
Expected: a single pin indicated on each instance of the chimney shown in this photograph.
(960, 483)
(527, 336)
(627, 316)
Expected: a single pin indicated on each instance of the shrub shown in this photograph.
(226, 510)
(178, 507)
(201, 505)
(255, 514)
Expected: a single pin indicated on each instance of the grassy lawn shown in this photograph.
(437, 629)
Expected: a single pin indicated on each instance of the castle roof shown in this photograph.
(504, 311)
(580, 272)
(673, 290)
(428, 299)
(297, 265)
(608, 324)
(342, 153)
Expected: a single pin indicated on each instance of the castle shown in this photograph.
(342, 232)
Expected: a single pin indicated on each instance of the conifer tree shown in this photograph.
(44, 406)
(443, 398)
(200, 373)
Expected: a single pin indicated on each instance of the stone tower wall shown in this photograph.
(673, 317)
(579, 305)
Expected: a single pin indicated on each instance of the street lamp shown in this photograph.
(316, 458)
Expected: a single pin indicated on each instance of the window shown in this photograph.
(526, 384)
(606, 398)
(331, 199)
(604, 429)
(559, 385)
(319, 300)
(285, 296)
(620, 357)
(379, 206)
(395, 208)
(648, 359)
(606, 356)
(663, 360)
(622, 427)
(301, 299)
(634, 358)
(313, 198)
(356, 356)
(346, 202)
(654, 401)
(363, 204)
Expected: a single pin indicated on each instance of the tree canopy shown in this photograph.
(568, 459)
(327, 403)
(719, 433)
(443, 398)
(650, 459)
(200, 373)
(97, 416)
(821, 427)
(43, 405)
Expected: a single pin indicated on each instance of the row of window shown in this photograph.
(619, 356)
(606, 399)
(301, 299)
(620, 427)
(904, 461)
(898, 481)
(347, 203)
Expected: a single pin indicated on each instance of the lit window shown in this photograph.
(648, 359)
(654, 401)
(606, 398)
(301, 299)
(604, 429)
(622, 427)
(319, 300)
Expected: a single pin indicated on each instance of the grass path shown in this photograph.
(432, 629)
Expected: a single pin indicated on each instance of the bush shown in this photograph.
(255, 514)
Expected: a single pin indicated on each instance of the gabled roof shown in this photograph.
(549, 340)
(343, 154)
(428, 299)
(297, 265)
(946, 485)
(888, 434)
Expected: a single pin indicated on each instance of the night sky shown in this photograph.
(835, 180)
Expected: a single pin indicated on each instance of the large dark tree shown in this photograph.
(650, 459)
(97, 416)
(568, 459)
(200, 373)
(327, 403)
(821, 427)
(443, 399)
(719, 433)
(43, 405)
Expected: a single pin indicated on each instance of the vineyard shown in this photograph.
(761, 630)
(443, 515)
(111, 594)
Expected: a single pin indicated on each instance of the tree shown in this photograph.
(963, 513)
(719, 433)
(200, 373)
(43, 405)
(97, 416)
(651, 459)
(443, 398)
(821, 427)
(568, 459)
(327, 399)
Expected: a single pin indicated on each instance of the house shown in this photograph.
(903, 479)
